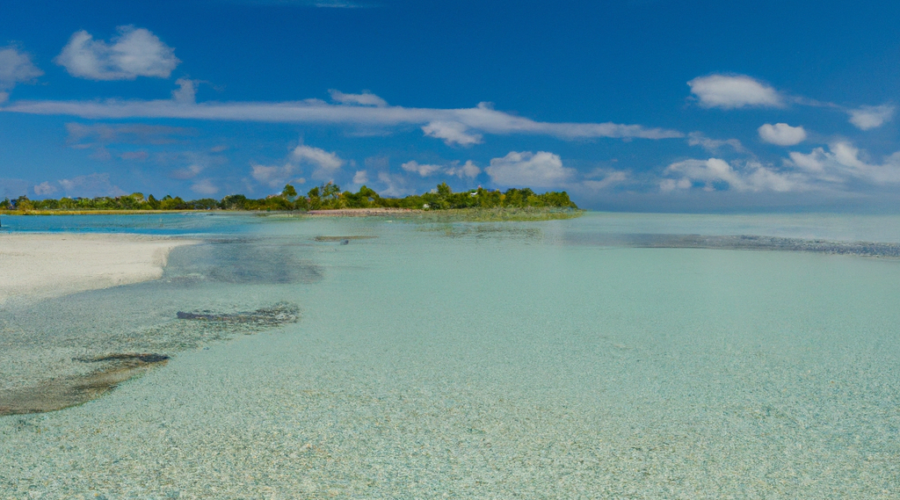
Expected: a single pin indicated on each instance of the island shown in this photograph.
(326, 199)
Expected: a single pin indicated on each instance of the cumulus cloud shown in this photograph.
(869, 117)
(672, 184)
(132, 53)
(393, 185)
(272, 176)
(452, 133)
(205, 187)
(750, 176)
(364, 99)
(843, 162)
(90, 185)
(15, 67)
(713, 145)
(480, 119)
(360, 177)
(44, 189)
(423, 170)
(468, 169)
(782, 134)
(325, 164)
(186, 93)
(527, 169)
(733, 91)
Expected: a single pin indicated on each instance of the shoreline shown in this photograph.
(36, 266)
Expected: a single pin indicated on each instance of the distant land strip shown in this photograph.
(327, 197)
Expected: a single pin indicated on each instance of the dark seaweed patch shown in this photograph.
(276, 315)
(189, 330)
(62, 393)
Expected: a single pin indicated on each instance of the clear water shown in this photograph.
(480, 361)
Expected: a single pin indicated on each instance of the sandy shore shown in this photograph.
(39, 266)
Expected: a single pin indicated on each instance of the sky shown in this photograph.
(635, 105)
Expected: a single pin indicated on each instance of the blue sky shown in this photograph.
(626, 104)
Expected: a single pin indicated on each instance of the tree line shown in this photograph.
(325, 197)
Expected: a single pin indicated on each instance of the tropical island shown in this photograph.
(513, 203)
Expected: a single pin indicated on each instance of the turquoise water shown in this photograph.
(528, 360)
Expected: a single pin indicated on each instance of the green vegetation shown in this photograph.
(514, 204)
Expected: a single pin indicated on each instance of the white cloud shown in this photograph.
(90, 185)
(468, 169)
(44, 189)
(671, 184)
(751, 176)
(360, 177)
(326, 164)
(364, 99)
(478, 119)
(394, 185)
(132, 53)
(204, 186)
(186, 92)
(713, 145)
(272, 176)
(869, 117)
(423, 170)
(452, 133)
(15, 67)
(527, 169)
(844, 162)
(782, 134)
(733, 91)
(813, 162)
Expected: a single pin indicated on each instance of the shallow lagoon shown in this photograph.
(475, 360)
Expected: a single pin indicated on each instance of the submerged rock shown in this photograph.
(278, 314)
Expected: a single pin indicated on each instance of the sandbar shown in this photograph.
(37, 266)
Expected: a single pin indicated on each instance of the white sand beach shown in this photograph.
(39, 266)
